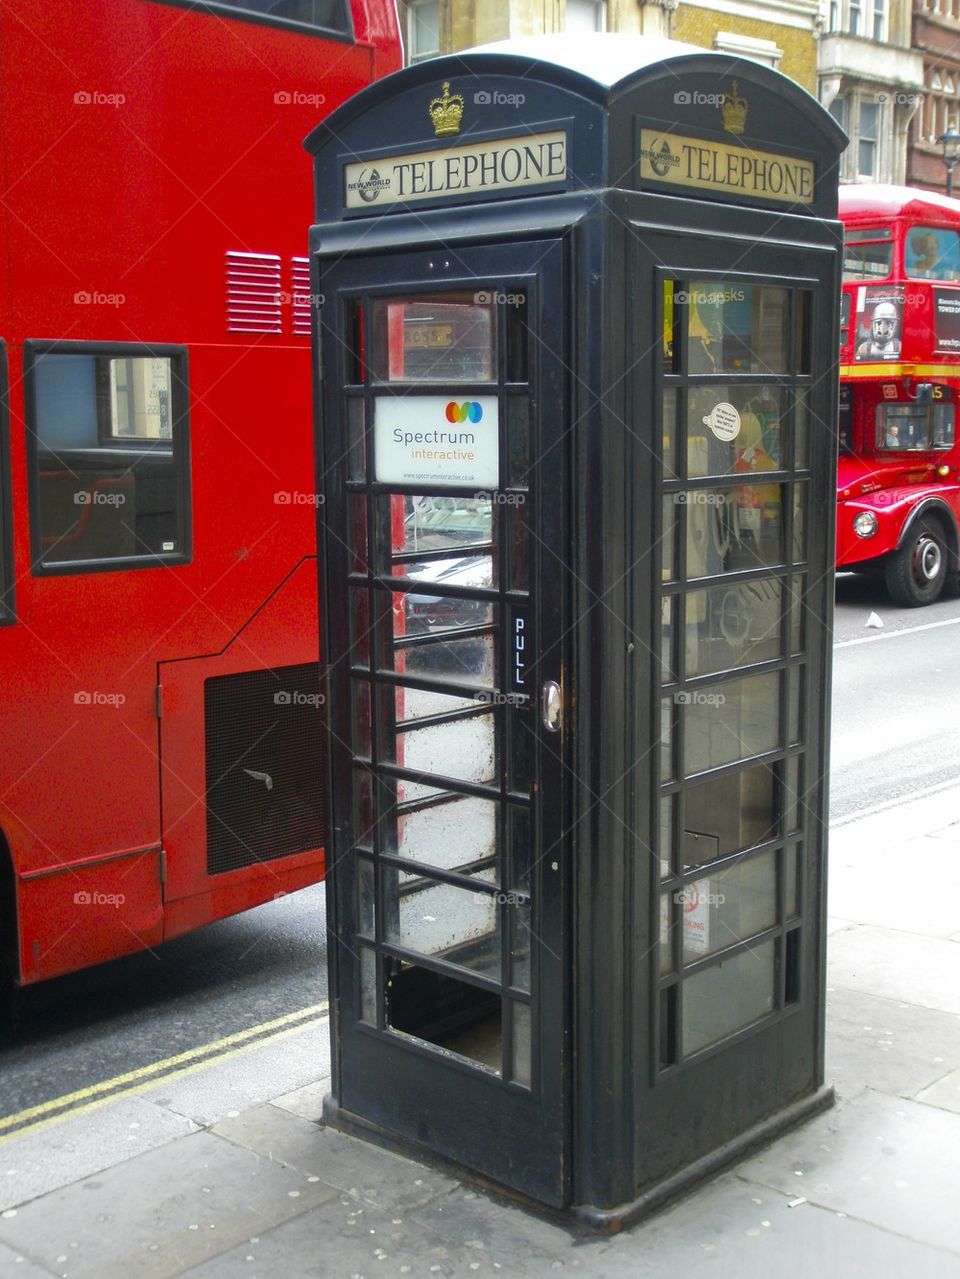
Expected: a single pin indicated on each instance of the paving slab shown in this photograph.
(885, 1044)
(899, 966)
(731, 1230)
(888, 1161)
(15, 1265)
(169, 1210)
(945, 1093)
(307, 1102)
(47, 1158)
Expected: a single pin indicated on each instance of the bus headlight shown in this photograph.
(865, 524)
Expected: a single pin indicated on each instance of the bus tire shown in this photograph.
(915, 573)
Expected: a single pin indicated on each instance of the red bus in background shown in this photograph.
(899, 467)
(159, 721)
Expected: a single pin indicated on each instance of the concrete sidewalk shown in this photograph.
(221, 1170)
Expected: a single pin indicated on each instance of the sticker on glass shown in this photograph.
(724, 421)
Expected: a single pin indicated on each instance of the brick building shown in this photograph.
(936, 37)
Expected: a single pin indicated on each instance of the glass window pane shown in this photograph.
(730, 626)
(518, 445)
(441, 1009)
(521, 849)
(792, 801)
(667, 766)
(417, 703)
(795, 700)
(728, 906)
(799, 522)
(327, 14)
(737, 328)
(667, 813)
(670, 434)
(366, 917)
(472, 571)
(801, 430)
(729, 530)
(792, 898)
(463, 749)
(730, 721)
(357, 438)
(436, 523)
(448, 338)
(368, 985)
(460, 661)
(518, 919)
(797, 589)
(666, 933)
(669, 535)
(728, 815)
(668, 619)
(426, 612)
(933, 253)
(520, 1070)
(110, 465)
(726, 997)
(671, 345)
(448, 831)
(734, 428)
(459, 925)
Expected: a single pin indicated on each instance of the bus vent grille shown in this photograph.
(300, 270)
(254, 293)
(264, 743)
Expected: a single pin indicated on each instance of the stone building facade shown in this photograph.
(936, 37)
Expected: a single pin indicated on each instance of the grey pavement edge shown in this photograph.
(226, 1170)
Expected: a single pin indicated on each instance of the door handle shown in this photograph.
(551, 706)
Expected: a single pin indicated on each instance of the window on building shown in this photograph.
(108, 456)
(866, 18)
(838, 109)
(586, 15)
(423, 29)
(867, 140)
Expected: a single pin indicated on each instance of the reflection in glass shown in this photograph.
(801, 430)
(366, 919)
(368, 985)
(734, 428)
(728, 906)
(449, 338)
(422, 612)
(436, 523)
(728, 814)
(360, 627)
(518, 440)
(670, 350)
(727, 996)
(737, 328)
(731, 721)
(356, 438)
(475, 572)
(797, 588)
(358, 514)
(730, 626)
(791, 802)
(804, 330)
(521, 849)
(729, 530)
(417, 703)
(793, 717)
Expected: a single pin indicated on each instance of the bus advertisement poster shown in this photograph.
(946, 319)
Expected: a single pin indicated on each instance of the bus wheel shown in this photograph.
(915, 574)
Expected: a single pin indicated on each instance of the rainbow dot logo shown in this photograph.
(470, 411)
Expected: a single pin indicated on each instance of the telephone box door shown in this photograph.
(442, 469)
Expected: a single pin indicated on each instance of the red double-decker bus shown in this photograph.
(159, 721)
(899, 467)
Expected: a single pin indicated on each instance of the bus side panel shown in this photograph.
(84, 914)
(242, 776)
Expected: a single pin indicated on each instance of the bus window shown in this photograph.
(328, 15)
(6, 522)
(106, 434)
(933, 254)
(845, 420)
(916, 427)
(867, 253)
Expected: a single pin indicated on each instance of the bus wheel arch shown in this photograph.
(924, 565)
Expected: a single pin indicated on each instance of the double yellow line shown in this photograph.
(136, 1081)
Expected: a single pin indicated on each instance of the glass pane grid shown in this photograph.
(730, 622)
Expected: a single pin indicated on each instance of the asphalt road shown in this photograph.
(896, 716)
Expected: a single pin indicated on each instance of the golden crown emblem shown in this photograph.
(446, 113)
(733, 108)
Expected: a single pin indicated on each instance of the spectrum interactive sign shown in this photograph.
(431, 439)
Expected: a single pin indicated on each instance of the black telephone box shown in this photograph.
(577, 385)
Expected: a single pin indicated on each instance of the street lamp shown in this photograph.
(950, 145)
